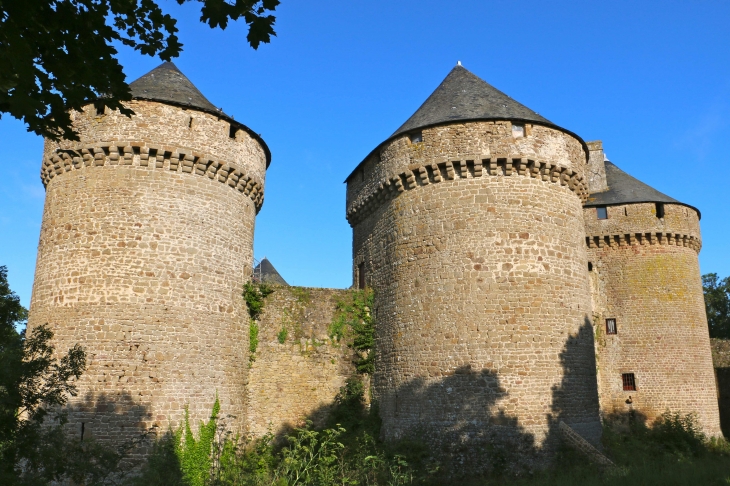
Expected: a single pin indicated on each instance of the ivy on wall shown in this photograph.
(354, 323)
(255, 295)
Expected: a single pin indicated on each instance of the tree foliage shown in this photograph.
(717, 304)
(32, 382)
(57, 55)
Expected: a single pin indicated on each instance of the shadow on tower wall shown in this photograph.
(465, 420)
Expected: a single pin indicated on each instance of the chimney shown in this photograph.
(596, 169)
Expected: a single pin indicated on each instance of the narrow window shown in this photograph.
(590, 266)
(626, 211)
(361, 276)
(518, 131)
(190, 122)
(99, 110)
(660, 210)
(83, 427)
(416, 137)
(602, 212)
(232, 131)
(629, 381)
(611, 326)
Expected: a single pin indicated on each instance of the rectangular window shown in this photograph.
(416, 137)
(518, 131)
(629, 381)
(659, 210)
(232, 131)
(361, 276)
(99, 110)
(611, 326)
(602, 212)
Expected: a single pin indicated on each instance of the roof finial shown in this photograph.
(458, 63)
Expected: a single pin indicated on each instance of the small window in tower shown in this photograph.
(660, 210)
(190, 122)
(99, 110)
(602, 212)
(361, 276)
(611, 326)
(518, 131)
(629, 381)
(416, 137)
(232, 131)
(626, 211)
(590, 266)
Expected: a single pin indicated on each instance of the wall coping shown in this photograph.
(642, 239)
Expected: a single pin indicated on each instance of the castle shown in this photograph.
(521, 279)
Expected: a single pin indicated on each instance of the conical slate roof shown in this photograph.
(167, 84)
(268, 273)
(625, 189)
(464, 96)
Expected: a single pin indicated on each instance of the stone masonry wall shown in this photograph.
(646, 276)
(142, 258)
(299, 378)
(482, 301)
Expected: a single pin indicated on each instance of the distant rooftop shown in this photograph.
(266, 273)
(625, 189)
(167, 84)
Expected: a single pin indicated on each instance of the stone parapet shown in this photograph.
(637, 239)
(464, 167)
(151, 156)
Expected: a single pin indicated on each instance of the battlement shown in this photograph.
(151, 156)
(638, 239)
(464, 167)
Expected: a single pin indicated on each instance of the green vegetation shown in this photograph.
(56, 55)
(281, 336)
(354, 322)
(253, 336)
(717, 304)
(35, 381)
(346, 451)
(255, 296)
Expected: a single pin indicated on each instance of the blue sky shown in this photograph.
(650, 79)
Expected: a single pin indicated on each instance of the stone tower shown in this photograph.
(652, 337)
(468, 224)
(146, 242)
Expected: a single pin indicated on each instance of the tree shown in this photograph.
(34, 382)
(58, 55)
(717, 304)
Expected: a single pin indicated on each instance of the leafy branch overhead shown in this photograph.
(57, 55)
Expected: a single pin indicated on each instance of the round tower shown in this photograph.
(653, 342)
(146, 242)
(468, 225)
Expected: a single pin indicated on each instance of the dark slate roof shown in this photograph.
(623, 189)
(269, 274)
(463, 96)
(167, 84)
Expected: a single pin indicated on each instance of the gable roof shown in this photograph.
(167, 84)
(463, 96)
(268, 273)
(625, 189)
